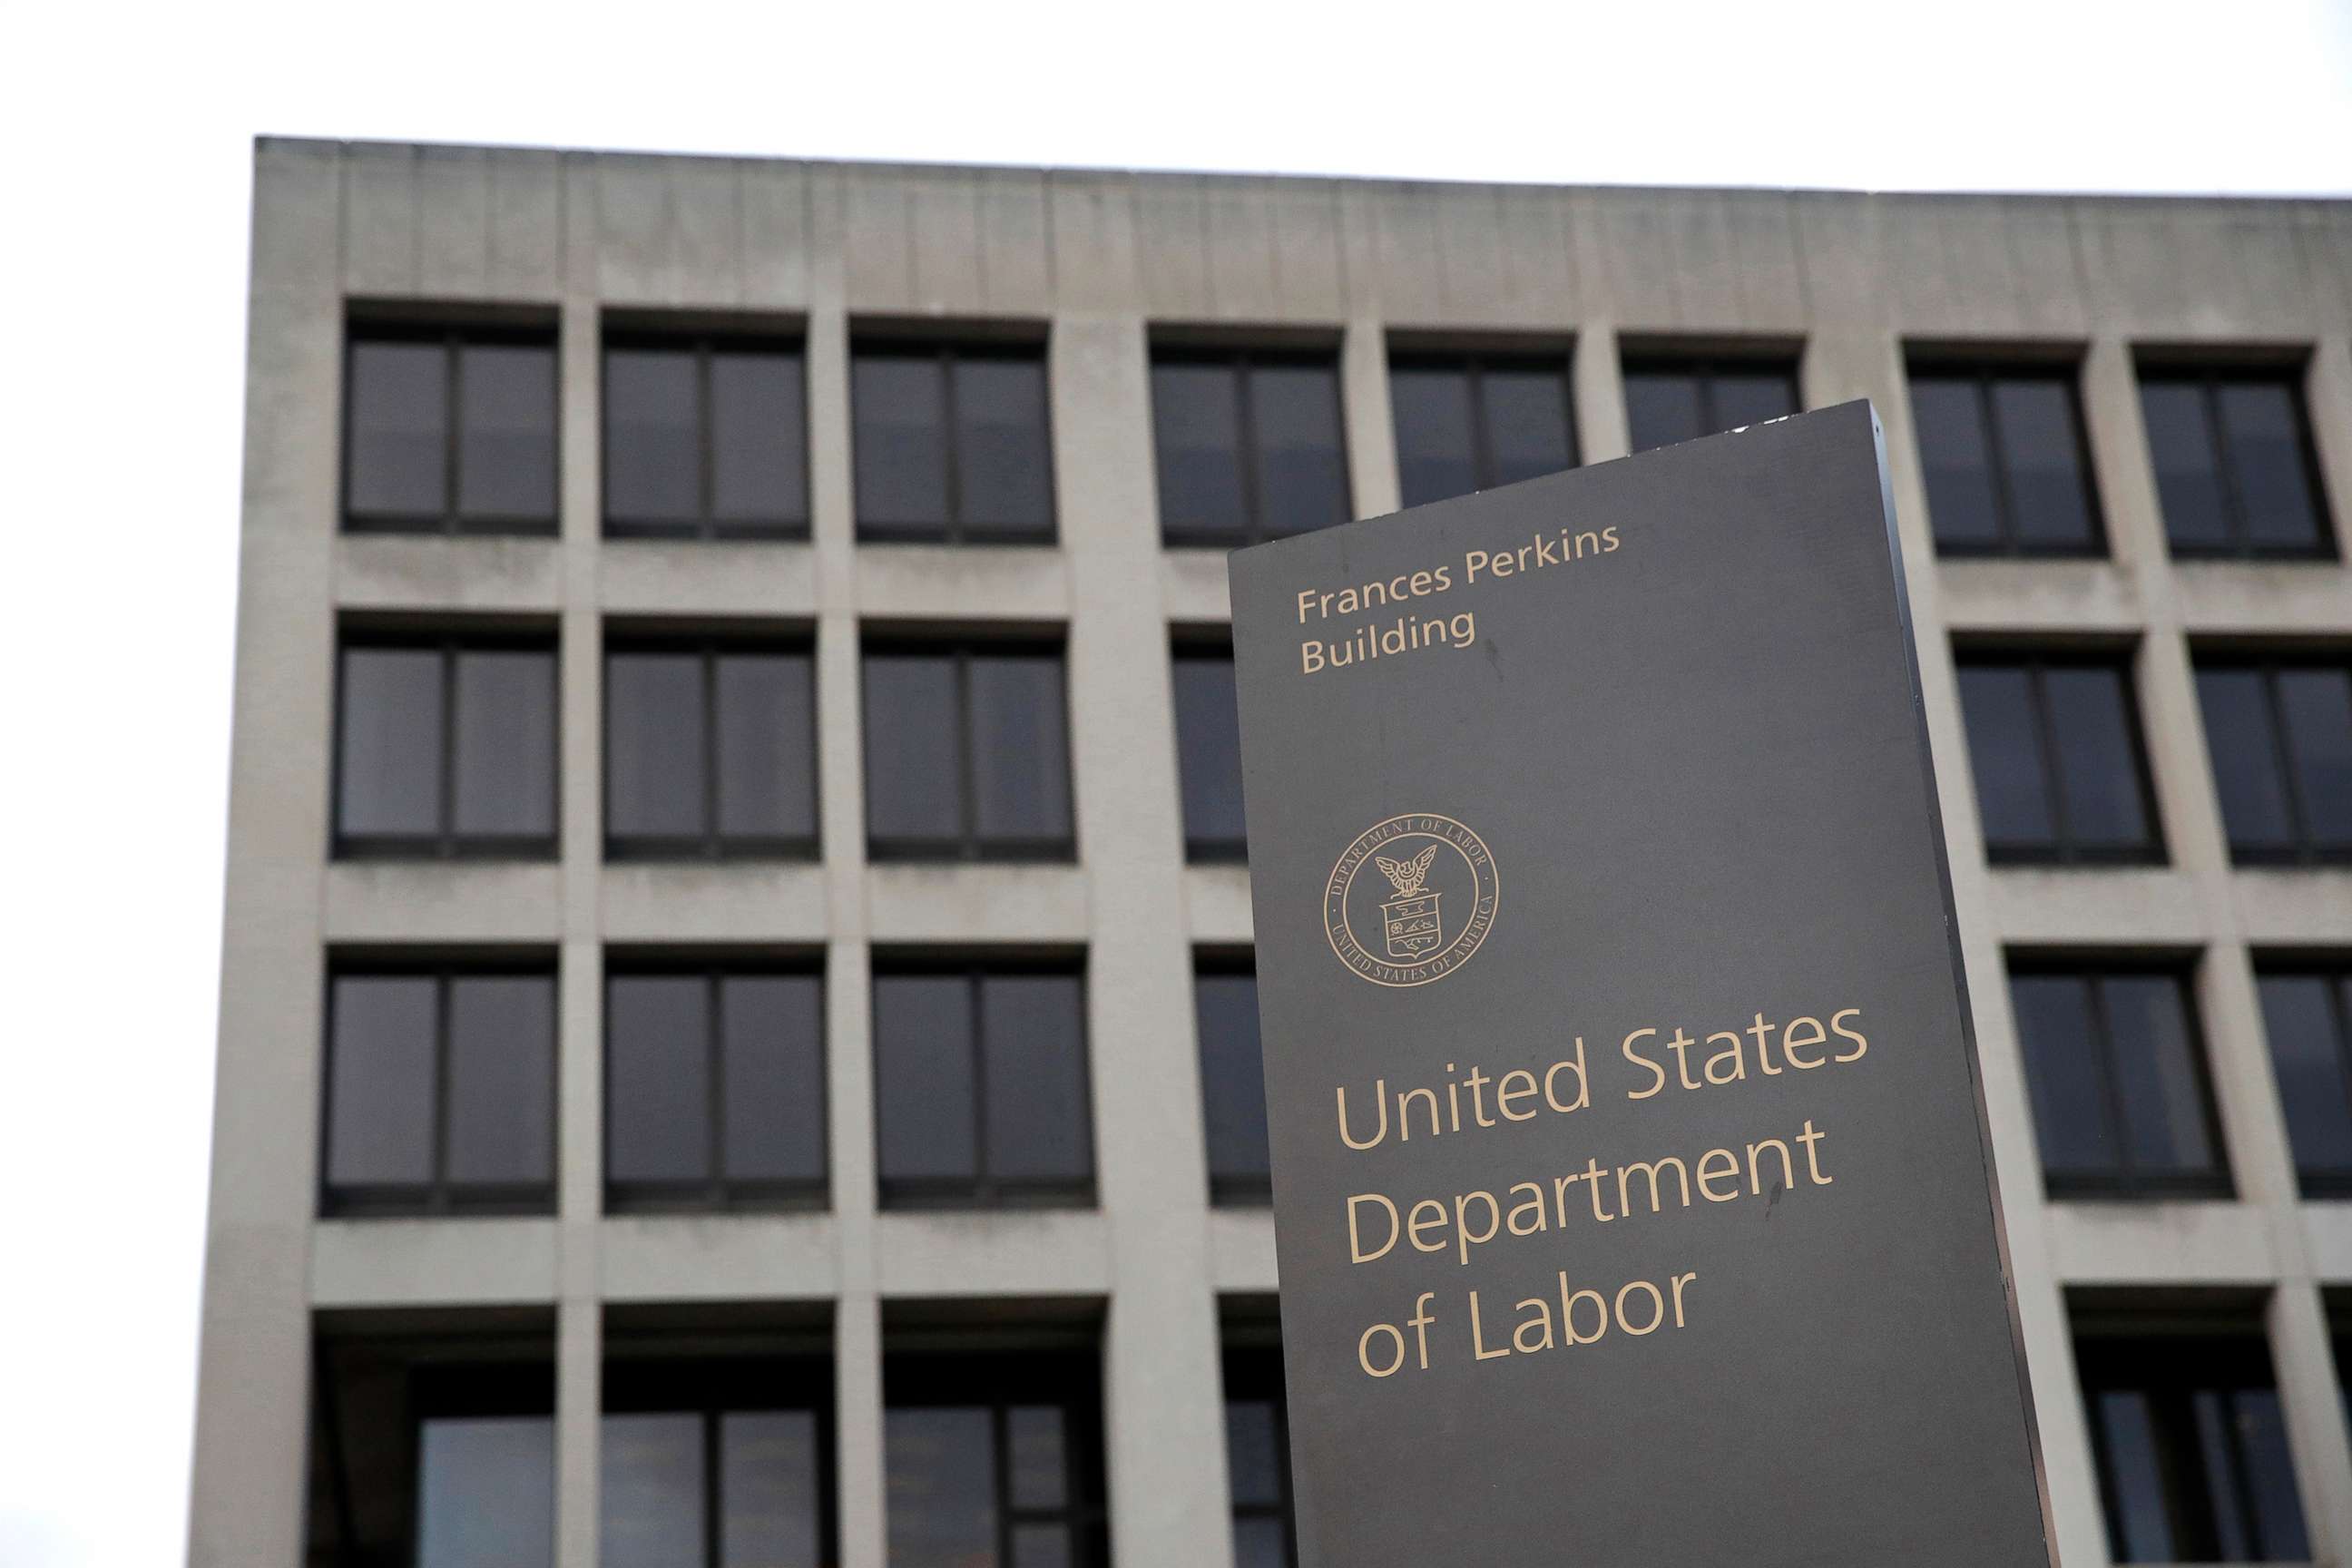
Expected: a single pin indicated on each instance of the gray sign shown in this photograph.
(1633, 1197)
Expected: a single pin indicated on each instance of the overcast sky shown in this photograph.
(128, 140)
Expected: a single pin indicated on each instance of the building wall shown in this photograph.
(1105, 259)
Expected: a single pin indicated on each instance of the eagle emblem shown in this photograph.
(1406, 876)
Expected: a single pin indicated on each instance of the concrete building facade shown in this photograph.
(1100, 271)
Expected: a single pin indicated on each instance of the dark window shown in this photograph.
(967, 752)
(980, 1086)
(1258, 1459)
(2191, 1448)
(1681, 399)
(1249, 444)
(705, 438)
(993, 1461)
(1209, 753)
(449, 432)
(715, 1465)
(2002, 453)
(445, 746)
(2280, 733)
(440, 1091)
(2235, 466)
(2307, 1016)
(710, 750)
(952, 443)
(714, 1087)
(1471, 423)
(2118, 1078)
(1232, 1082)
(431, 1453)
(2054, 746)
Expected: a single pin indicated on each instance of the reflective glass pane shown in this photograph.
(652, 459)
(2005, 756)
(1955, 460)
(654, 754)
(1196, 433)
(1749, 397)
(1260, 1544)
(485, 1493)
(650, 1489)
(900, 411)
(759, 439)
(2316, 706)
(2246, 749)
(1437, 457)
(1233, 1077)
(2299, 1019)
(1528, 432)
(1302, 466)
(1004, 466)
(2276, 1508)
(2141, 1521)
(2065, 1074)
(766, 742)
(771, 1033)
(505, 774)
(2181, 444)
(657, 1078)
(506, 433)
(379, 1080)
(501, 1079)
(1037, 1472)
(941, 1486)
(913, 769)
(1252, 1451)
(1209, 750)
(2264, 431)
(2098, 757)
(1020, 749)
(770, 1515)
(398, 463)
(2216, 1442)
(2042, 451)
(925, 1113)
(1039, 1118)
(1662, 407)
(388, 769)
(2159, 1080)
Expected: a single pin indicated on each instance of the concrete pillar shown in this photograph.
(1601, 432)
(1370, 421)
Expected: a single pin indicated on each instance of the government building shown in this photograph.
(737, 1040)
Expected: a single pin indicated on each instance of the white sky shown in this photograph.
(122, 260)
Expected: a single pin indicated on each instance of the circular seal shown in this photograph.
(1411, 900)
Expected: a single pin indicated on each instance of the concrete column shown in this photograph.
(1164, 1419)
(1601, 432)
(246, 1504)
(1370, 421)
(2328, 394)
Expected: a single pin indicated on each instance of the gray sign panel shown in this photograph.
(1633, 1197)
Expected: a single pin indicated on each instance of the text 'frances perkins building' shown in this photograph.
(738, 1046)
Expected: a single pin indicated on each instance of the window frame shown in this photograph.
(1199, 850)
(452, 522)
(987, 1191)
(711, 844)
(1981, 375)
(439, 1197)
(1474, 365)
(712, 1390)
(1253, 1373)
(999, 1382)
(2209, 380)
(446, 843)
(717, 1193)
(943, 353)
(2035, 663)
(967, 847)
(705, 347)
(1704, 368)
(2333, 972)
(2124, 1182)
(2306, 851)
(1227, 1190)
(1238, 361)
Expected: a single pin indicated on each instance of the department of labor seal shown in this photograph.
(1411, 900)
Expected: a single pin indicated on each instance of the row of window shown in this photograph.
(447, 745)
(442, 1454)
(705, 437)
(440, 1089)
